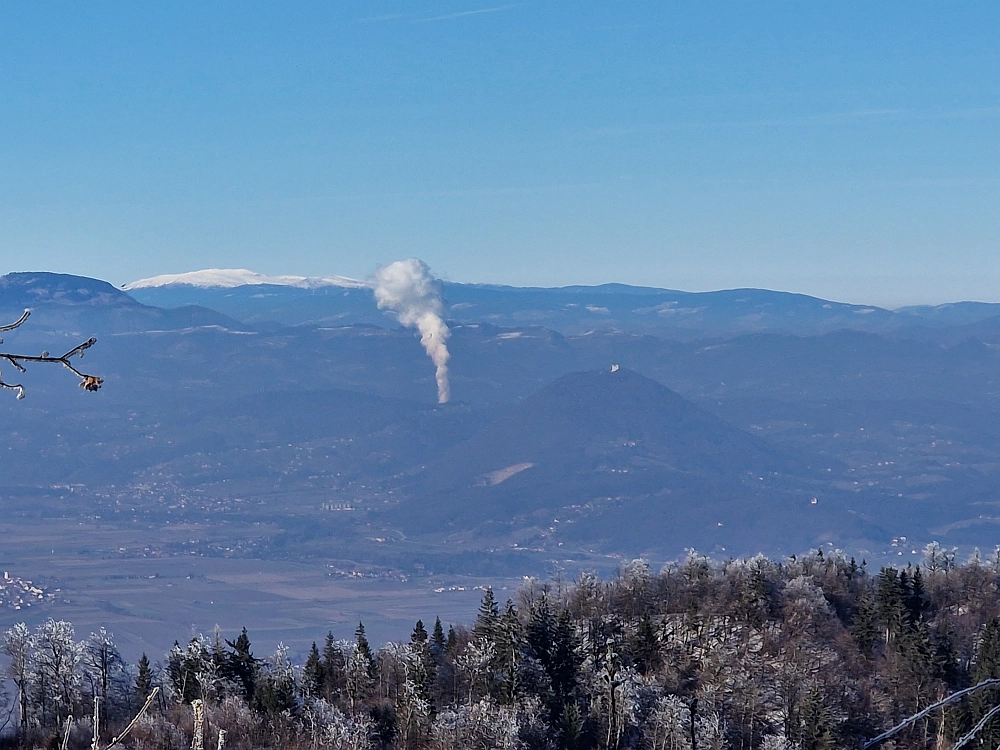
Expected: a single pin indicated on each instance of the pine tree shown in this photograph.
(646, 647)
(143, 679)
(437, 641)
(364, 650)
(312, 673)
(183, 667)
(551, 639)
(383, 718)
(565, 659)
(571, 728)
(947, 660)
(240, 666)
(891, 596)
(419, 634)
(488, 618)
(540, 632)
(816, 732)
(509, 638)
(419, 642)
(916, 599)
(334, 665)
(865, 626)
(275, 685)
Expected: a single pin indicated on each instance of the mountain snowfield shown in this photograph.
(254, 298)
(231, 278)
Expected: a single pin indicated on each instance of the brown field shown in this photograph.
(148, 602)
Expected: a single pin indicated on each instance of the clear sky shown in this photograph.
(847, 150)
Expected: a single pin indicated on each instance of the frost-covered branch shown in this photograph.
(10, 712)
(910, 721)
(87, 382)
(976, 729)
(125, 732)
(69, 729)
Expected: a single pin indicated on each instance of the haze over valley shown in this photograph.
(287, 430)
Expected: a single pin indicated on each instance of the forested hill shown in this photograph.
(807, 653)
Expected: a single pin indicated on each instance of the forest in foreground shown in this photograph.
(806, 653)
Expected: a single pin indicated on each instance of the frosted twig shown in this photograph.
(10, 713)
(95, 743)
(87, 382)
(117, 740)
(69, 726)
(16, 323)
(956, 696)
(975, 730)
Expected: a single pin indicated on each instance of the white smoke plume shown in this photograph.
(407, 288)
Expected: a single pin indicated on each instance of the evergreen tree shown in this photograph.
(240, 666)
(274, 692)
(419, 634)
(437, 641)
(571, 728)
(645, 647)
(143, 679)
(891, 596)
(509, 639)
(383, 718)
(551, 639)
(312, 673)
(947, 660)
(916, 650)
(865, 625)
(420, 643)
(488, 618)
(334, 665)
(916, 599)
(816, 730)
(540, 632)
(184, 665)
(565, 659)
(364, 650)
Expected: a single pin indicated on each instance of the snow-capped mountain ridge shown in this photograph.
(231, 278)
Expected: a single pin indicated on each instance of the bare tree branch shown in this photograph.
(18, 322)
(908, 722)
(10, 713)
(975, 730)
(149, 700)
(69, 728)
(87, 382)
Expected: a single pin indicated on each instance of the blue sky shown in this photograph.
(847, 150)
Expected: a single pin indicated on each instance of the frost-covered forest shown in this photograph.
(807, 653)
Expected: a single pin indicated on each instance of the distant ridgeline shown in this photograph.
(806, 653)
(295, 300)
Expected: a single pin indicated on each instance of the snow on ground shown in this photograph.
(229, 278)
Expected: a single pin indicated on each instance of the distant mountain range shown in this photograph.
(72, 305)
(225, 411)
(294, 300)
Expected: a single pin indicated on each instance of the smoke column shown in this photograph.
(407, 288)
